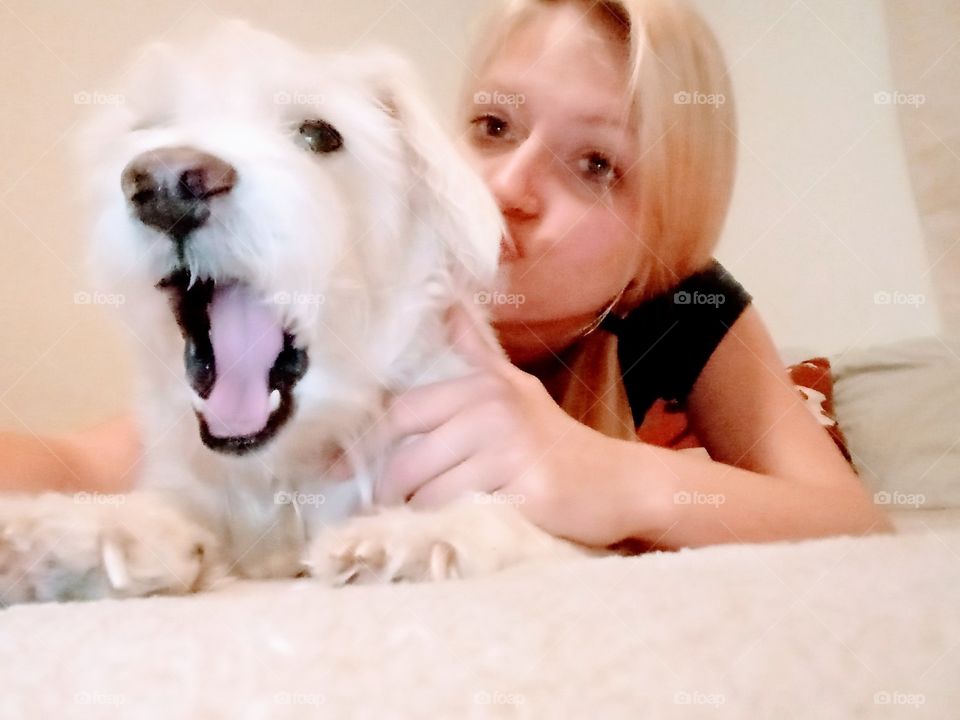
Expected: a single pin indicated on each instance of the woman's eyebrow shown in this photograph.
(601, 119)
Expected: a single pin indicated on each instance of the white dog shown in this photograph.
(287, 231)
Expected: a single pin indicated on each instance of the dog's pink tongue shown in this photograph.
(246, 341)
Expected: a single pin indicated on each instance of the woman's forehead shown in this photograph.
(561, 49)
(581, 59)
(558, 31)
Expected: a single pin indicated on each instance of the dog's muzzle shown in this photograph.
(240, 361)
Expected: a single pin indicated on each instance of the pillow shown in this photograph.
(899, 405)
(666, 424)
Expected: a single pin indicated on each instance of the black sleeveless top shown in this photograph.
(665, 342)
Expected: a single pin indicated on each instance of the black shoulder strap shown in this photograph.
(665, 343)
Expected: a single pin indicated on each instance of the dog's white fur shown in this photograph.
(379, 240)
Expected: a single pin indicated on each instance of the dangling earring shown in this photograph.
(594, 324)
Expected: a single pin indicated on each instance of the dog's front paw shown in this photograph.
(63, 547)
(474, 536)
(392, 546)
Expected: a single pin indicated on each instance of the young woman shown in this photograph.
(606, 132)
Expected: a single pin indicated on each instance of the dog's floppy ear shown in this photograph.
(447, 196)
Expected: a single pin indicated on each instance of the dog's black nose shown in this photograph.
(170, 188)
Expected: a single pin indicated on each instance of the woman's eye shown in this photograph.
(490, 126)
(598, 167)
(320, 136)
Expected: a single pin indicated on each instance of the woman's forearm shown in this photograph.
(690, 501)
(103, 459)
(31, 464)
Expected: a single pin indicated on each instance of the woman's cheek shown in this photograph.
(606, 247)
(528, 294)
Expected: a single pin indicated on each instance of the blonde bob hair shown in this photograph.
(681, 104)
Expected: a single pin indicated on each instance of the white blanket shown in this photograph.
(837, 628)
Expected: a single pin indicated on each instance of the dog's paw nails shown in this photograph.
(349, 560)
(115, 565)
(332, 563)
(443, 562)
(387, 547)
(341, 552)
(370, 553)
(54, 549)
(350, 552)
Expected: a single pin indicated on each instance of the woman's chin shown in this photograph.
(521, 318)
(530, 339)
(518, 310)
(509, 315)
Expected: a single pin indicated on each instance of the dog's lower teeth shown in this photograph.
(274, 400)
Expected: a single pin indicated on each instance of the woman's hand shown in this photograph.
(499, 431)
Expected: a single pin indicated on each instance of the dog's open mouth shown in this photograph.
(239, 360)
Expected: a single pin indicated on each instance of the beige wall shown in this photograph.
(925, 49)
(823, 214)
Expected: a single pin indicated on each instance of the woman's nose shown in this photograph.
(511, 178)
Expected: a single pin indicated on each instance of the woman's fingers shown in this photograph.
(463, 479)
(422, 458)
(428, 430)
(427, 407)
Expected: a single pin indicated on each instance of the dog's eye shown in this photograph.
(320, 136)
